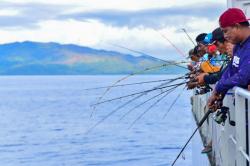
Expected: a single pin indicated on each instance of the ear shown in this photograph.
(237, 25)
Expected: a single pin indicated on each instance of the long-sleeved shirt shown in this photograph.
(238, 71)
(214, 77)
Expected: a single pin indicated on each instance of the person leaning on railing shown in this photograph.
(225, 50)
(235, 27)
(194, 59)
(209, 62)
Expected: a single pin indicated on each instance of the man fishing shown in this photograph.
(235, 27)
(225, 49)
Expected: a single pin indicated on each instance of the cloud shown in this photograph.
(31, 14)
(153, 18)
(96, 27)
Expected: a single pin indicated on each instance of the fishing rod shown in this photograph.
(111, 113)
(172, 44)
(135, 83)
(218, 60)
(117, 109)
(129, 95)
(175, 100)
(108, 89)
(139, 72)
(121, 97)
(137, 106)
(141, 96)
(199, 125)
(184, 30)
(132, 74)
(151, 106)
(142, 53)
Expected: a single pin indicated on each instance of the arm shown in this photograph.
(241, 78)
(212, 78)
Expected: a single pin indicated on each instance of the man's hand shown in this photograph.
(191, 85)
(213, 99)
(190, 67)
(200, 78)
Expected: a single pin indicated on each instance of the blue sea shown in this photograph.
(44, 122)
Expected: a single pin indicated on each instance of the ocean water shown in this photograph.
(44, 120)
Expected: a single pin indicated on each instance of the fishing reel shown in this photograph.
(203, 90)
(188, 76)
(221, 116)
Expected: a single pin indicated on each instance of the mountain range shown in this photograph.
(35, 58)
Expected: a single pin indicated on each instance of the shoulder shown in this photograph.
(247, 44)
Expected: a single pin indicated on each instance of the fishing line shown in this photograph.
(137, 106)
(175, 100)
(121, 97)
(132, 74)
(151, 106)
(184, 30)
(199, 125)
(172, 44)
(136, 83)
(142, 53)
(115, 110)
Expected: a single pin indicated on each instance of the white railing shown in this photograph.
(230, 143)
(242, 117)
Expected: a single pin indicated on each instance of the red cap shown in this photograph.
(212, 49)
(232, 16)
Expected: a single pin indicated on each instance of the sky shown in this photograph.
(142, 25)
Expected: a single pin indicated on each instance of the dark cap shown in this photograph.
(190, 53)
(196, 49)
(200, 37)
(218, 35)
(232, 16)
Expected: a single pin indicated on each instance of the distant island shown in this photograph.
(35, 58)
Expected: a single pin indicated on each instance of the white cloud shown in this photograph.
(118, 4)
(96, 34)
(85, 33)
(9, 12)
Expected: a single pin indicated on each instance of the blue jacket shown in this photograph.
(237, 72)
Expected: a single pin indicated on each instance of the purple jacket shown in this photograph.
(237, 72)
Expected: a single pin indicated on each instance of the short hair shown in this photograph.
(245, 24)
(196, 49)
(191, 52)
(200, 37)
(218, 35)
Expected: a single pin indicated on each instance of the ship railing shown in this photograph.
(230, 144)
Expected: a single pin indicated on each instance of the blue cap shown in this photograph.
(208, 39)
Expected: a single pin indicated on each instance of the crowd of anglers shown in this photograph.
(220, 58)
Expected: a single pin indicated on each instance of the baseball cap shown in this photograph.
(200, 37)
(208, 39)
(217, 35)
(232, 16)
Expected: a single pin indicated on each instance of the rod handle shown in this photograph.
(204, 117)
